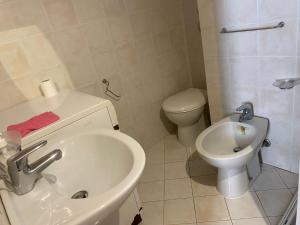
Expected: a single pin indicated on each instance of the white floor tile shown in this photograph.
(274, 220)
(200, 167)
(205, 185)
(274, 202)
(293, 190)
(179, 211)
(252, 221)
(153, 213)
(155, 155)
(176, 170)
(211, 208)
(187, 200)
(153, 172)
(179, 188)
(228, 222)
(290, 179)
(268, 180)
(151, 191)
(247, 206)
(268, 167)
(174, 151)
(192, 153)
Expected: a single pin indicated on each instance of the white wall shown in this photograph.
(242, 67)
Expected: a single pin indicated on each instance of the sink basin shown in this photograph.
(103, 164)
(229, 145)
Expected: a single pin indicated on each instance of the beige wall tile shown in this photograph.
(12, 94)
(13, 61)
(97, 35)
(60, 12)
(120, 29)
(89, 9)
(69, 44)
(33, 46)
(79, 42)
(27, 13)
(141, 23)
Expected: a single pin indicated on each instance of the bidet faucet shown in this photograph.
(23, 176)
(247, 111)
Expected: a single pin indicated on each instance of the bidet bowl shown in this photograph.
(229, 145)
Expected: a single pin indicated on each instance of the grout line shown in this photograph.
(262, 207)
(164, 191)
(275, 170)
(228, 209)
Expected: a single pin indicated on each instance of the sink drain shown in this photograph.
(237, 149)
(80, 195)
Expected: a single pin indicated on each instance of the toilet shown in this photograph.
(185, 109)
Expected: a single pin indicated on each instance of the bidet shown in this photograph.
(229, 145)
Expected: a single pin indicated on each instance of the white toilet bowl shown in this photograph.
(229, 145)
(185, 109)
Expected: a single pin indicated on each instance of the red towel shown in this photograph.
(35, 123)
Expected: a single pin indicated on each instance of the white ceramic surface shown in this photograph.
(216, 144)
(184, 101)
(185, 109)
(104, 162)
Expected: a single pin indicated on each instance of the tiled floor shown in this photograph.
(179, 188)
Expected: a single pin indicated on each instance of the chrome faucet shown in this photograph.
(247, 111)
(23, 176)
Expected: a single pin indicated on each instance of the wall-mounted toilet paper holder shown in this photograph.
(110, 93)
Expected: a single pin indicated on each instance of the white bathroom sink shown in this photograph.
(103, 163)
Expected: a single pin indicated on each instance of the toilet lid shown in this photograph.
(184, 101)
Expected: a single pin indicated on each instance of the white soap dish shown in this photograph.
(287, 83)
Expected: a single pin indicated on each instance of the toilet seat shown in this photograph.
(184, 101)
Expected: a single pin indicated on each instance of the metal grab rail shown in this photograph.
(226, 31)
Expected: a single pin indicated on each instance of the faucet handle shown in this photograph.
(247, 106)
(17, 159)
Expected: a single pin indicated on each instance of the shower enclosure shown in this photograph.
(248, 46)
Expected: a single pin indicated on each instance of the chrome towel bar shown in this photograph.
(226, 31)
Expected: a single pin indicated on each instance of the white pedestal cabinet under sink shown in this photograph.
(96, 157)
